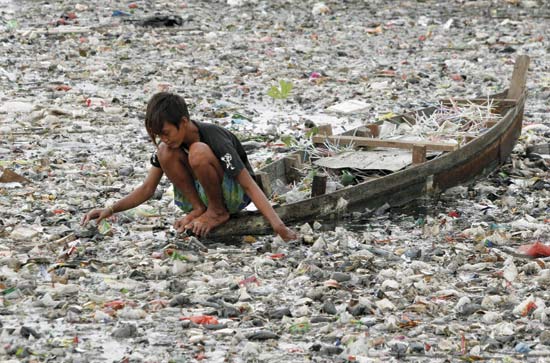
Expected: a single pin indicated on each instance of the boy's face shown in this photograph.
(172, 136)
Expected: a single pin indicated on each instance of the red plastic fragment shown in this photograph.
(115, 304)
(249, 280)
(201, 319)
(528, 308)
(535, 250)
(454, 214)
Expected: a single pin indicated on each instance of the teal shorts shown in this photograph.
(234, 197)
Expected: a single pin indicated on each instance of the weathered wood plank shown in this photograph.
(519, 77)
(10, 176)
(374, 129)
(365, 141)
(293, 164)
(264, 182)
(325, 129)
(418, 154)
(319, 185)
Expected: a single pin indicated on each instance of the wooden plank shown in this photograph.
(365, 141)
(264, 182)
(319, 185)
(293, 163)
(374, 129)
(362, 131)
(325, 129)
(419, 154)
(519, 77)
(10, 176)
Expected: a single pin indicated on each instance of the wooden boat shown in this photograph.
(475, 155)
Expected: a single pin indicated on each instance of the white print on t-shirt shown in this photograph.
(227, 159)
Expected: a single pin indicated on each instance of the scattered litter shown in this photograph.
(461, 276)
(349, 107)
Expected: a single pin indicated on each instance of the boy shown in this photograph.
(207, 165)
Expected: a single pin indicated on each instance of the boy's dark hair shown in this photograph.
(164, 107)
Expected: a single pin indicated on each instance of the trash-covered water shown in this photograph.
(440, 280)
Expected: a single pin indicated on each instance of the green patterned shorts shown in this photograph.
(235, 198)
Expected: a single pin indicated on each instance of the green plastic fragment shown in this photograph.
(300, 328)
(347, 178)
(179, 256)
(104, 227)
(12, 24)
(9, 290)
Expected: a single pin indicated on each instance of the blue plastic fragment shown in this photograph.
(522, 348)
(120, 13)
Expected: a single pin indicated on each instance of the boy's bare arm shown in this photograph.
(260, 201)
(139, 195)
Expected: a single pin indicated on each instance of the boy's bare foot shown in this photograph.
(207, 221)
(180, 224)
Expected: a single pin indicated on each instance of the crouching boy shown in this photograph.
(207, 166)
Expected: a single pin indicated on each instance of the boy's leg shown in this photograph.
(175, 164)
(209, 172)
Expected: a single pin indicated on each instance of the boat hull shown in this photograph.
(473, 160)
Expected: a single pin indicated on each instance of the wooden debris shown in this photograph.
(418, 154)
(319, 185)
(325, 129)
(263, 181)
(9, 176)
(371, 130)
(293, 164)
(519, 77)
(374, 129)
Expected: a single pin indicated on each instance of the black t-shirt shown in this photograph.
(227, 148)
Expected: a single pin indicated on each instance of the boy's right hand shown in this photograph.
(286, 233)
(97, 214)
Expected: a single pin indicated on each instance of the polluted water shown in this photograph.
(460, 276)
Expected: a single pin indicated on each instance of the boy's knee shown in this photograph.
(199, 153)
(164, 153)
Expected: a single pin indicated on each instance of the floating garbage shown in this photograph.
(461, 275)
